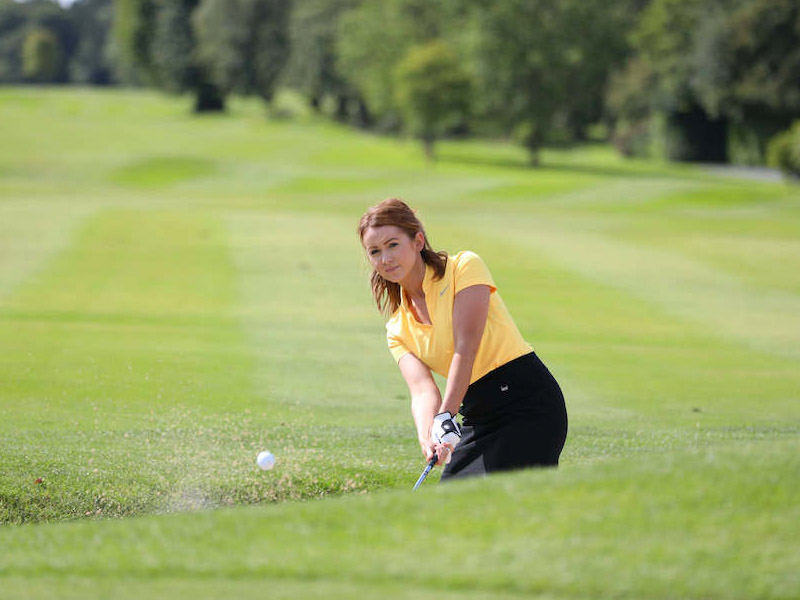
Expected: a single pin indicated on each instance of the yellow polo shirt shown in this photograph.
(433, 344)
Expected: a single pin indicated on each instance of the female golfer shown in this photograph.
(446, 316)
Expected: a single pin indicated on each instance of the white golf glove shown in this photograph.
(445, 430)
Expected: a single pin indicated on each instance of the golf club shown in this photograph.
(427, 470)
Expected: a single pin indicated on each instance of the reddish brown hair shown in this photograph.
(394, 211)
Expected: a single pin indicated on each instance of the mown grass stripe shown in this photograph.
(622, 358)
(763, 319)
(30, 234)
(125, 339)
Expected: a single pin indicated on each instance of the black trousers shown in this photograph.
(513, 417)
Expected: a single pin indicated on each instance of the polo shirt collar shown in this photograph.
(427, 281)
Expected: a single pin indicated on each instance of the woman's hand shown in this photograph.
(444, 452)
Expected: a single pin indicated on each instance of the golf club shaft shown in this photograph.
(427, 470)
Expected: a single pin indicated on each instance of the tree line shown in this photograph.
(707, 80)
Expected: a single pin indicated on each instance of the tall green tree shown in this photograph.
(734, 61)
(245, 43)
(312, 67)
(132, 41)
(747, 59)
(91, 62)
(664, 38)
(747, 69)
(545, 62)
(668, 120)
(13, 19)
(173, 45)
(16, 22)
(156, 43)
(375, 36)
(41, 55)
(629, 107)
(433, 92)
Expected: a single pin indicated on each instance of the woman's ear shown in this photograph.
(419, 241)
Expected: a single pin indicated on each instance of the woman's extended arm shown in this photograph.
(425, 399)
(470, 311)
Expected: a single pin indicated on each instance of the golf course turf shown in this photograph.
(178, 293)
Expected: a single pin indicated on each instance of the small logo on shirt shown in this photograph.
(444, 290)
(504, 388)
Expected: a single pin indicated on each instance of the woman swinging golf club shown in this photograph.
(446, 316)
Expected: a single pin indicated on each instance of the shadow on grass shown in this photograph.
(685, 171)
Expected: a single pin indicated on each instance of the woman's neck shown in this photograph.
(413, 283)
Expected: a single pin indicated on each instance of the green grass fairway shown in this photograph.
(179, 293)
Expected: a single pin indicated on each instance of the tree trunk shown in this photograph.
(427, 143)
(208, 98)
(341, 109)
(363, 118)
(533, 144)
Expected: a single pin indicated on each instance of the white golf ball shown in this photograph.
(265, 460)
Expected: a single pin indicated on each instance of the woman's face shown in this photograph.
(391, 252)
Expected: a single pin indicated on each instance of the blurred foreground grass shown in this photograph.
(707, 524)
